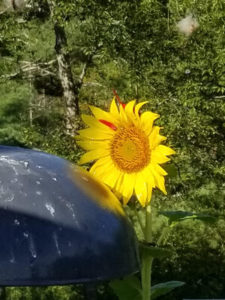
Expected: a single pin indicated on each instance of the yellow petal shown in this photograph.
(105, 171)
(93, 134)
(161, 184)
(141, 189)
(111, 176)
(165, 150)
(159, 170)
(93, 155)
(100, 166)
(123, 115)
(159, 180)
(158, 157)
(149, 176)
(119, 184)
(102, 115)
(91, 145)
(128, 187)
(149, 193)
(138, 107)
(94, 123)
(89, 120)
(114, 108)
(147, 119)
(155, 138)
(129, 108)
(150, 182)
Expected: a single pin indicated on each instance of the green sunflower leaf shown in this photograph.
(127, 288)
(177, 216)
(164, 288)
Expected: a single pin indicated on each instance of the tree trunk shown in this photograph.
(71, 89)
(65, 74)
(70, 92)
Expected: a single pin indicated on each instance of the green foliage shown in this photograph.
(128, 288)
(53, 141)
(134, 47)
(198, 259)
(164, 288)
(13, 107)
(43, 293)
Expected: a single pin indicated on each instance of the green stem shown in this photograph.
(139, 220)
(148, 224)
(146, 268)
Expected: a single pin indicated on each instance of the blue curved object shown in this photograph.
(53, 232)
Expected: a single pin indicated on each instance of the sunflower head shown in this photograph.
(126, 150)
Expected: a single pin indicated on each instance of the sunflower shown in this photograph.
(125, 147)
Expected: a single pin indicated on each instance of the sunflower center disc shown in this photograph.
(130, 149)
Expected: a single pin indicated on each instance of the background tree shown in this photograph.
(134, 47)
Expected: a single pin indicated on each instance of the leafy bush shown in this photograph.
(142, 55)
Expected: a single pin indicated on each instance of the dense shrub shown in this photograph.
(142, 55)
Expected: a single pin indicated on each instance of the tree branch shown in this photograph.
(30, 69)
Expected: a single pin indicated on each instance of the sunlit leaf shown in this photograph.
(178, 216)
(164, 288)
